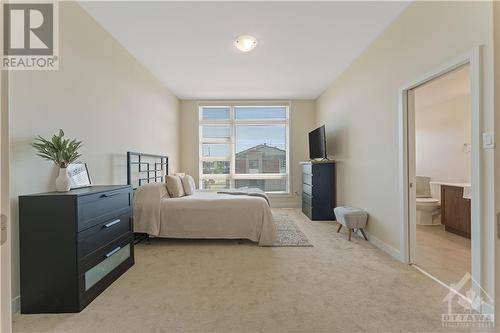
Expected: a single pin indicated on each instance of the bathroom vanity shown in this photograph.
(456, 209)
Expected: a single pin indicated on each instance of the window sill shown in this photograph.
(270, 194)
(279, 194)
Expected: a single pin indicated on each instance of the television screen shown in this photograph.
(317, 143)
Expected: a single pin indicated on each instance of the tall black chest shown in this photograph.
(319, 190)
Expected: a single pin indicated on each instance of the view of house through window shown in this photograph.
(244, 146)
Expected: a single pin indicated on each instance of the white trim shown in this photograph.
(381, 245)
(407, 236)
(5, 207)
(260, 176)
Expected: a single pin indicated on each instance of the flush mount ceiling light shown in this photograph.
(245, 43)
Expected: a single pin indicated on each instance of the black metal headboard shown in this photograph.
(149, 168)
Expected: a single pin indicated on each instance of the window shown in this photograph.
(244, 146)
(254, 165)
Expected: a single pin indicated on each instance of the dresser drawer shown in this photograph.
(100, 263)
(307, 189)
(113, 259)
(307, 179)
(101, 234)
(306, 199)
(307, 169)
(96, 208)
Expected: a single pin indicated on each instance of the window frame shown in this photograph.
(232, 122)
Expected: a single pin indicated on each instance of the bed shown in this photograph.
(242, 214)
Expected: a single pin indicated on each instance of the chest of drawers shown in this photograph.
(73, 245)
(319, 190)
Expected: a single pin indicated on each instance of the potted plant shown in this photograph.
(62, 152)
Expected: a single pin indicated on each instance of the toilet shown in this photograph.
(428, 201)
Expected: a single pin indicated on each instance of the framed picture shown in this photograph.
(79, 175)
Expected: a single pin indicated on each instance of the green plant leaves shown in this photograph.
(59, 150)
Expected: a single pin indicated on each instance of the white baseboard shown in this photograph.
(16, 305)
(395, 253)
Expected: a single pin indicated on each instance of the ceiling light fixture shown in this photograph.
(245, 43)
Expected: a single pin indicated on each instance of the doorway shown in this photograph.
(469, 63)
(442, 155)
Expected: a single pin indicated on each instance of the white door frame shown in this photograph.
(5, 250)
(5, 253)
(407, 163)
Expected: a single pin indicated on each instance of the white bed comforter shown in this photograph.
(203, 215)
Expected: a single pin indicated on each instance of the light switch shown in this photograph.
(488, 141)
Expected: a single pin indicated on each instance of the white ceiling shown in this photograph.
(302, 47)
(443, 88)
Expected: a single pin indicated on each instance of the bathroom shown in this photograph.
(443, 176)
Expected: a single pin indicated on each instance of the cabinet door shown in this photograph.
(455, 210)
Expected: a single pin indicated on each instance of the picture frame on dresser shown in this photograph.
(79, 176)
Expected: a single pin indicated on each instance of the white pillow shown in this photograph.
(174, 186)
(188, 184)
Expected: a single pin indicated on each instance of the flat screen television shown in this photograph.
(317, 143)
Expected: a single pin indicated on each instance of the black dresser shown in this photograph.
(73, 245)
(319, 190)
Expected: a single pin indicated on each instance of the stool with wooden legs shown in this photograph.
(351, 218)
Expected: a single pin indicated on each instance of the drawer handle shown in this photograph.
(112, 252)
(112, 194)
(112, 223)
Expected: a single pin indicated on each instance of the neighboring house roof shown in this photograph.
(263, 149)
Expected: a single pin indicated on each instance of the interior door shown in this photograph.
(412, 177)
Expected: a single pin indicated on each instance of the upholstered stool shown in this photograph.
(351, 218)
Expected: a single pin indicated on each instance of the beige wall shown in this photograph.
(100, 95)
(361, 112)
(301, 122)
(441, 131)
(497, 153)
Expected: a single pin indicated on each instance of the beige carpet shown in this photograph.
(223, 286)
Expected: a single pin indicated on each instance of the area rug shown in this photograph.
(289, 234)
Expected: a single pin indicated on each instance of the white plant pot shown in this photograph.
(62, 181)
